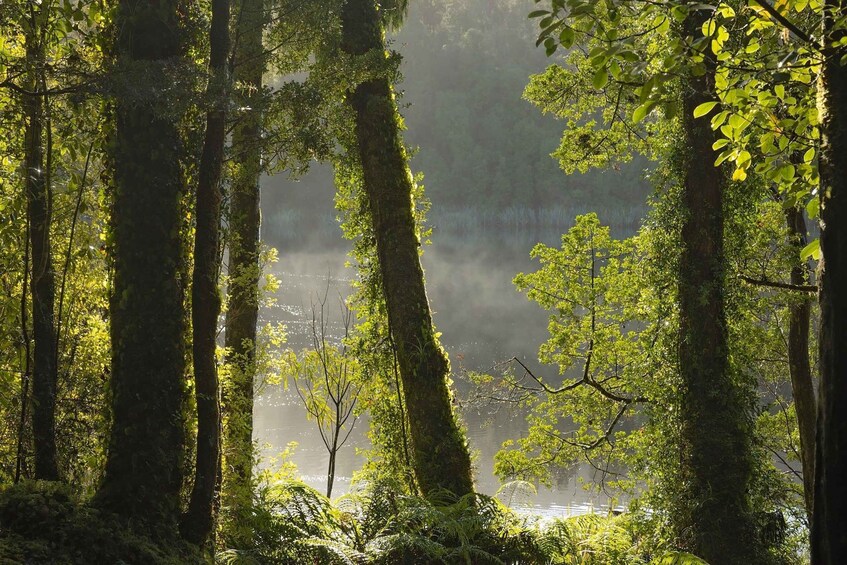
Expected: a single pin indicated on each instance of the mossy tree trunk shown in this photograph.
(38, 198)
(716, 421)
(144, 465)
(198, 521)
(829, 519)
(800, 369)
(244, 269)
(440, 454)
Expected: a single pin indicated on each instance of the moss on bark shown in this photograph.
(716, 520)
(440, 454)
(38, 197)
(144, 466)
(244, 272)
(198, 521)
(829, 519)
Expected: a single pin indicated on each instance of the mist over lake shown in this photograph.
(484, 321)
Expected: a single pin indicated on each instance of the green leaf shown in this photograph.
(809, 155)
(812, 250)
(719, 118)
(641, 112)
(787, 172)
(538, 13)
(723, 157)
(813, 208)
(719, 144)
(601, 78)
(566, 37)
(704, 109)
(679, 13)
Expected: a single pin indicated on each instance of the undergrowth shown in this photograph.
(44, 523)
(292, 523)
(379, 525)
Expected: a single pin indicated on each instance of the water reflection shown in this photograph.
(483, 321)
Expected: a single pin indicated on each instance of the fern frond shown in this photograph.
(333, 552)
(236, 557)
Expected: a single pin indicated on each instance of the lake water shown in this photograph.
(483, 321)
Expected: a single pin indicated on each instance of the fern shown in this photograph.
(333, 552)
(679, 558)
(381, 525)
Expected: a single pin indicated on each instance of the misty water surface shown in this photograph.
(483, 321)
(495, 192)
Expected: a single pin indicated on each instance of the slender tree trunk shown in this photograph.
(198, 521)
(144, 465)
(330, 473)
(716, 423)
(44, 375)
(26, 364)
(244, 269)
(829, 519)
(440, 453)
(802, 387)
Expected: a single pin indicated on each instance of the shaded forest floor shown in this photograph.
(43, 522)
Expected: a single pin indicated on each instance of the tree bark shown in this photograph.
(44, 374)
(198, 521)
(802, 387)
(440, 453)
(144, 465)
(26, 371)
(829, 518)
(716, 420)
(244, 269)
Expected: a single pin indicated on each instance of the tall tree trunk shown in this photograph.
(716, 423)
(198, 521)
(26, 362)
(44, 375)
(440, 454)
(244, 270)
(144, 465)
(802, 388)
(829, 519)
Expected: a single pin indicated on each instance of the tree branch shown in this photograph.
(786, 23)
(773, 284)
